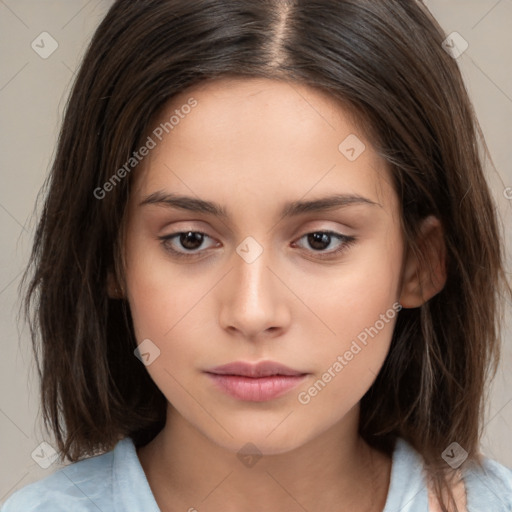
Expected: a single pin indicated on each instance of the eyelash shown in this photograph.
(346, 240)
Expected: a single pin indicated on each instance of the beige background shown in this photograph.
(32, 96)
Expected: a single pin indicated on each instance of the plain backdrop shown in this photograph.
(33, 91)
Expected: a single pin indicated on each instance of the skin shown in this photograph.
(253, 145)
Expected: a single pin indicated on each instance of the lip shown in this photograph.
(258, 382)
(261, 369)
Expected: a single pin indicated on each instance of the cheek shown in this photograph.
(167, 305)
(159, 295)
(352, 296)
(163, 305)
(361, 307)
(349, 362)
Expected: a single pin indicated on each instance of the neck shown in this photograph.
(335, 471)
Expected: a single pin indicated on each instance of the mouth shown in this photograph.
(258, 382)
(255, 370)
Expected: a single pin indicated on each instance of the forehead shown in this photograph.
(285, 103)
(270, 136)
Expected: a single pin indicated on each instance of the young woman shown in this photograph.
(268, 274)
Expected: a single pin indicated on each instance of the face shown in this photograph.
(302, 271)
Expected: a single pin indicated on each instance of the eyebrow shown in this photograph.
(290, 209)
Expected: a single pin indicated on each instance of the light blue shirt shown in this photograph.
(116, 482)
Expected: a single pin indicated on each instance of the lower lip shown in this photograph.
(256, 389)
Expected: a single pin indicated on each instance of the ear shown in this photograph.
(422, 279)
(114, 291)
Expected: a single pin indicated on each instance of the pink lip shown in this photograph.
(255, 382)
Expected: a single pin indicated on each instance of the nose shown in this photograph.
(254, 299)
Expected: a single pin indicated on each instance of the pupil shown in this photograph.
(195, 238)
(318, 238)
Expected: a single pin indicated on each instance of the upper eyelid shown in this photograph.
(204, 232)
(196, 226)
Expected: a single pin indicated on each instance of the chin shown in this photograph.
(265, 438)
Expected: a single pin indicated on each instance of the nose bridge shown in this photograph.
(252, 275)
(252, 302)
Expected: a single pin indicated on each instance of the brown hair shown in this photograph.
(384, 59)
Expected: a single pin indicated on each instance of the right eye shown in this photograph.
(188, 241)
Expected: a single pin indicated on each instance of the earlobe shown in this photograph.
(426, 276)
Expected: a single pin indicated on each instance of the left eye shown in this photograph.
(320, 240)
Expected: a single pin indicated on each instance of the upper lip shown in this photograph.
(262, 369)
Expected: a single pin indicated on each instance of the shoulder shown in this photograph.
(489, 486)
(81, 486)
(485, 487)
